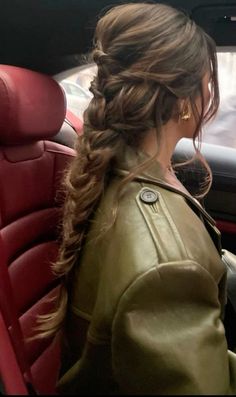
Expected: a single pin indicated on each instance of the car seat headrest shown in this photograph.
(32, 106)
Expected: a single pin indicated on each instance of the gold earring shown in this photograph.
(185, 114)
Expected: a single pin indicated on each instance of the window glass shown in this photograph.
(76, 86)
(220, 131)
(66, 87)
(77, 91)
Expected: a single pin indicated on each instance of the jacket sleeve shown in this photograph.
(167, 335)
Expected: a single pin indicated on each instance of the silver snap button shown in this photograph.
(149, 196)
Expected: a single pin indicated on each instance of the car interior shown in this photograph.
(38, 41)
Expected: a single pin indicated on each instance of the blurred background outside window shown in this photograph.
(220, 131)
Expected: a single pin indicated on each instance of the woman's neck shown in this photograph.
(162, 148)
(164, 152)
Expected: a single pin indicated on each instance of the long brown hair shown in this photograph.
(148, 57)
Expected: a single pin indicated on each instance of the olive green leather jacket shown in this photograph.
(148, 297)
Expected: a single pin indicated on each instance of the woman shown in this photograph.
(144, 284)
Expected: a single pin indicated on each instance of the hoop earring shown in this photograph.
(185, 114)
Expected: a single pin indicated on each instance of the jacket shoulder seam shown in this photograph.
(157, 267)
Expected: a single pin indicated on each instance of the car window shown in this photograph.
(76, 85)
(66, 87)
(75, 90)
(220, 131)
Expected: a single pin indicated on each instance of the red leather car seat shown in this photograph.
(32, 110)
(13, 379)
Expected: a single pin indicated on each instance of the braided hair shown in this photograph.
(148, 56)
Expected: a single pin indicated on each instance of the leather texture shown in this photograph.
(31, 170)
(10, 363)
(230, 312)
(230, 260)
(153, 291)
(33, 106)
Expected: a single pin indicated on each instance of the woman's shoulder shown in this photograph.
(153, 226)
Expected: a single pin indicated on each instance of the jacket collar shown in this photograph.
(130, 159)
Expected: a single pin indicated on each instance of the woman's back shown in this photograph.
(143, 291)
(160, 234)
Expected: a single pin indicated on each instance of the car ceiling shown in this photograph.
(51, 35)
